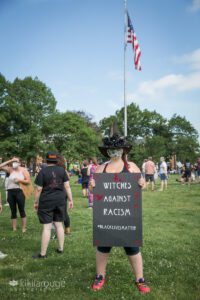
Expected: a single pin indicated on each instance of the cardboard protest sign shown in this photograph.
(117, 210)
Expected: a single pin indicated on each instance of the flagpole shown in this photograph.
(125, 43)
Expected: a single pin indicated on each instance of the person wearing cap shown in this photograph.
(52, 184)
(16, 198)
(116, 149)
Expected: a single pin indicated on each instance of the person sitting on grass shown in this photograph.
(116, 148)
(50, 201)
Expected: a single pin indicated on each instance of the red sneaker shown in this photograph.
(142, 286)
(98, 283)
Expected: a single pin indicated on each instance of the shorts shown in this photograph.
(198, 172)
(52, 213)
(129, 250)
(163, 177)
(149, 177)
(187, 174)
(85, 185)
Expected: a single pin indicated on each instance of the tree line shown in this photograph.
(30, 125)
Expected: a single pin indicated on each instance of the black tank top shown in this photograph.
(125, 169)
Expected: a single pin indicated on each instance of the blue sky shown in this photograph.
(76, 48)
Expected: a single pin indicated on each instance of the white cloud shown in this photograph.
(151, 87)
(195, 6)
(191, 59)
(177, 82)
(189, 82)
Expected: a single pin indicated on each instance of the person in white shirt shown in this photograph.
(16, 198)
(163, 174)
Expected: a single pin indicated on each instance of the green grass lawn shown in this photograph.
(171, 252)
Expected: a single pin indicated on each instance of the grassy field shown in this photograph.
(171, 253)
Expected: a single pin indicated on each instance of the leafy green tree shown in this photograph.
(24, 106)
(184, 138)
(70, 134)
(153, 135)
(89, 120)
(106, 123)
(30, 125)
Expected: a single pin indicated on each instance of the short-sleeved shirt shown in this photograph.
(52, 179)
(85, 177)
(188, 166)
(163, 168)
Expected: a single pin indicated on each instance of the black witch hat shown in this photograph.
(114, 141)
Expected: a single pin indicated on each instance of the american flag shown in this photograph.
(131, 38)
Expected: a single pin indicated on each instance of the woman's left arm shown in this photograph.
(26, 179)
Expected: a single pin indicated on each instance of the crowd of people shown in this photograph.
(151, 171)
(53, 195)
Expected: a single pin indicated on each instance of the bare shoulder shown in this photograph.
(25, 171)
(133, 167)
(100, 168)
